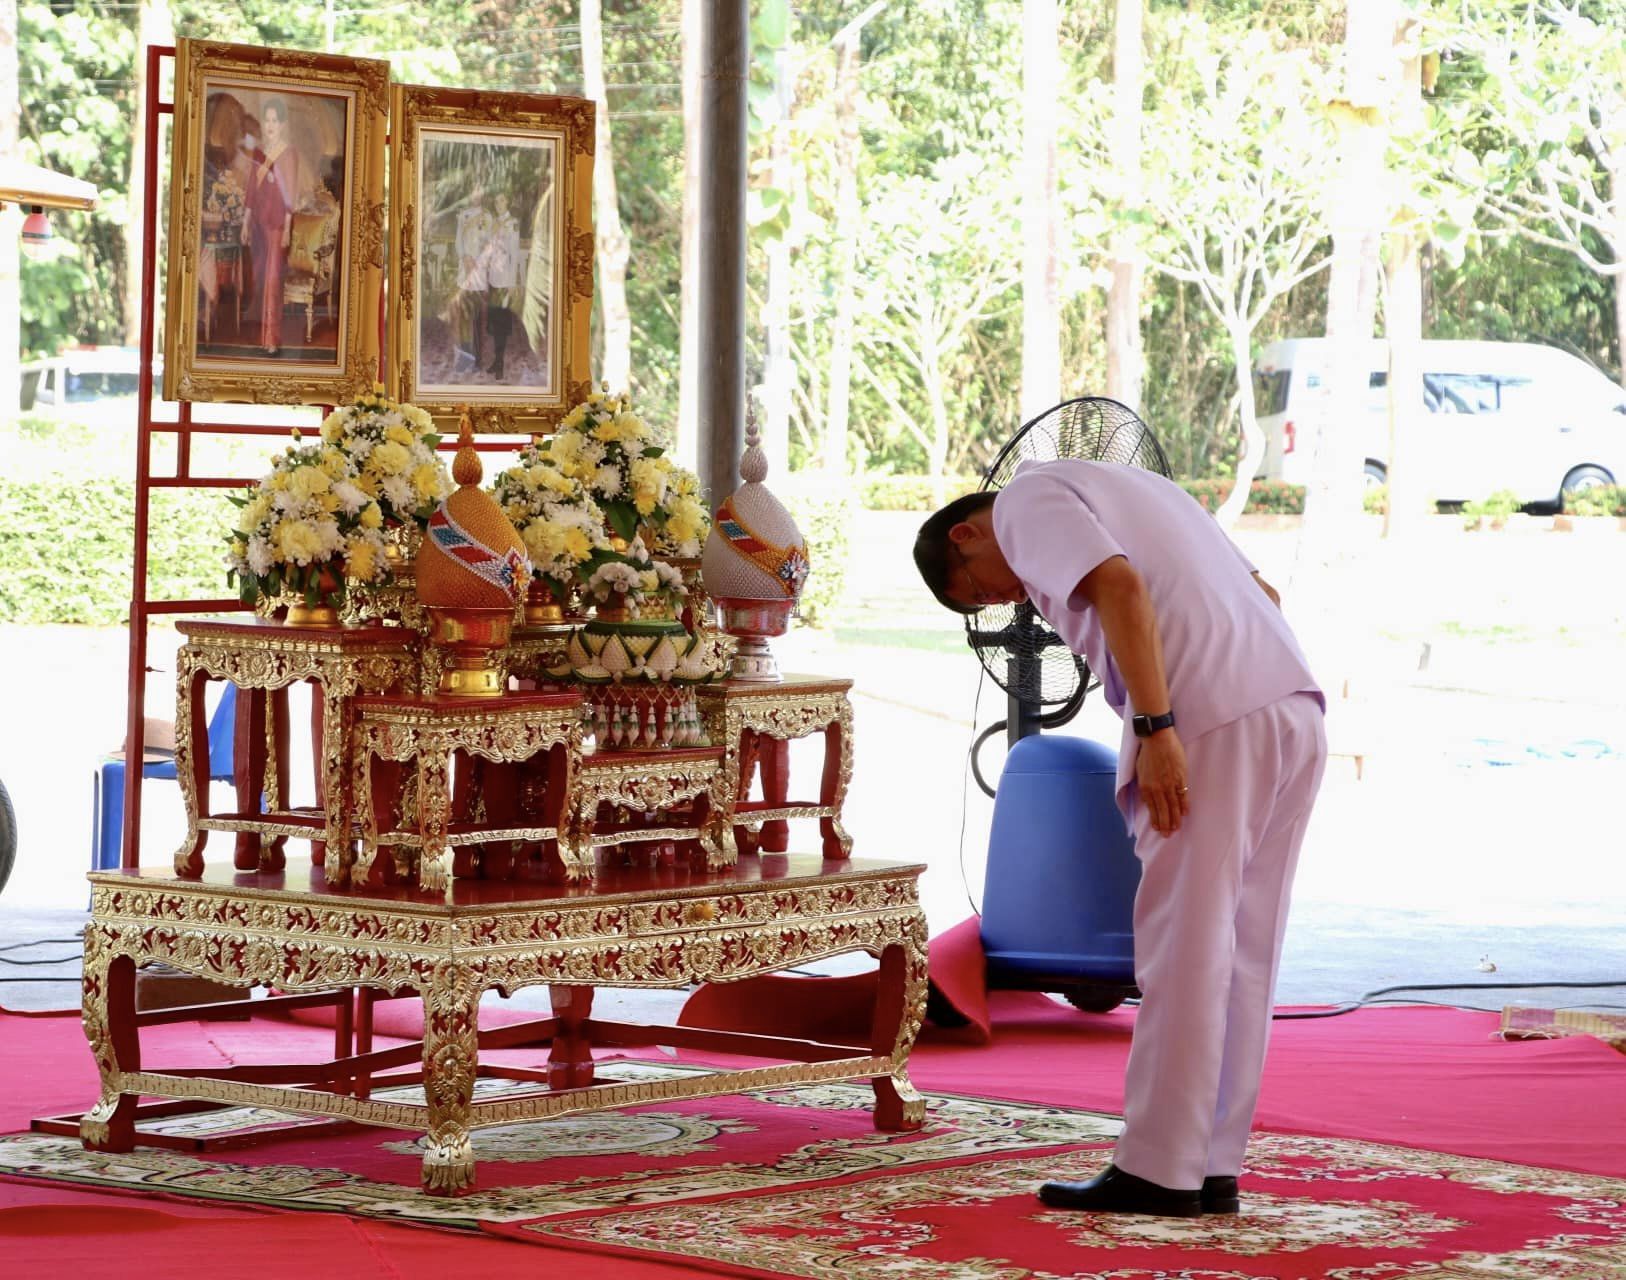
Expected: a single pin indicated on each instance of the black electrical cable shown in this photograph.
(1373, 997)
(43, 942)
(48, 960)
(75, 981)
(971, 766)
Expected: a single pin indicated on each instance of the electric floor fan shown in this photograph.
(1061, 879)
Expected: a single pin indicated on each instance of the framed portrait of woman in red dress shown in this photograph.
(491, 253)
(276, 232)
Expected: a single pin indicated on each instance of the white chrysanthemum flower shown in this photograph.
(607, 481)
(259, 556)
(398, 489)
(351, 499)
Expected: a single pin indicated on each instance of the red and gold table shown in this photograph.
(674, 794)
(426, 732)
(755, 722)
(638, 927)
(263, 658)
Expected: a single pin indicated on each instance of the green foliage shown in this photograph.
(65, 549)
(911, 493)
(1498, 507)
(1604, 500)
(1265, 497)
(825, 514)
(1375, 501)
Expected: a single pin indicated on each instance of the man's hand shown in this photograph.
(1160, 775)
(1269, 590)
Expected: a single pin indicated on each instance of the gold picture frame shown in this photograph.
(277, 209)
(491, 254)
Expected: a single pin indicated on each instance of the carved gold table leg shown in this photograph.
(434, 808)
(838, 772)
(191, 763)
(335, 782)
(362, 797)
(451, 1040)
(110, 1027)
(900, 1008)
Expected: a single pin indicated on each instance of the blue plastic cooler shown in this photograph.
(1058, 901)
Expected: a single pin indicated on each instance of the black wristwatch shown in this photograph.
(1146, 726)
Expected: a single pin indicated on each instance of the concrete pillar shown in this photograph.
(725, 53)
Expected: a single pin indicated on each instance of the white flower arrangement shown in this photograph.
(391, 447)
(304, 529)
(635, 581)
(560, 524)
(613, 454)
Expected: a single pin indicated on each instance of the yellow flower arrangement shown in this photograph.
(390, 455)
(303, 531)
(561, 526)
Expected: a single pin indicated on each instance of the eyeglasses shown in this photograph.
(980, 594)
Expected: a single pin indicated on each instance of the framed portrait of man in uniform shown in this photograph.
(276, 247)
(491, 253)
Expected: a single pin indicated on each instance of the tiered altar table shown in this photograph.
(634, 927)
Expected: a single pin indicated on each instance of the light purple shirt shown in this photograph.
(1227, 650)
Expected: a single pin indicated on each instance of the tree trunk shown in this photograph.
(1332, 505)
(779, 368)
(1253, 440)
(688, 430)
(1125, 356)
(1408, 497)
(844, 239)
(1041, 307)
(615, 369)
(10, 226)
(1618, 280)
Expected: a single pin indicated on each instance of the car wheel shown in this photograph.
(8, 835)
(1377, 475)
(1589, 477)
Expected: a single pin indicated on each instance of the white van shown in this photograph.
(1502, 415)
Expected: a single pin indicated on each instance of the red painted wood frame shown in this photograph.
(143, 608)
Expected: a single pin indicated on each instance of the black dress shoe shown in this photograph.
(1118, 1192)
(1219, 1195)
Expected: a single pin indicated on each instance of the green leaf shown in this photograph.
(623, 518)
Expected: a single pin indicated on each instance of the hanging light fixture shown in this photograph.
(37, 232)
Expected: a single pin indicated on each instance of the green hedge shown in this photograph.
(65, 549)
(1272, 497)
(1606, 500)
(824, 512)
(910, 493)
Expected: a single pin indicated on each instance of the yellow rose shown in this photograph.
(259, 506)
(372, 516)
(399, 434)
(388, 459)
(308, 482)
(296, 542)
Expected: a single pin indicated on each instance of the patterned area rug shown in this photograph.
(796, 1183)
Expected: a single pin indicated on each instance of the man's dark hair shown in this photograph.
(935, 555)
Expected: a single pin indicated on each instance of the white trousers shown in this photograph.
(1209, 919)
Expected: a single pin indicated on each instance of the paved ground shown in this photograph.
(1481, 843)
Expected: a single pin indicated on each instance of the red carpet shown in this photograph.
(1414, 1078)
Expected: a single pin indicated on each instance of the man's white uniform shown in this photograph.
(1212, 904)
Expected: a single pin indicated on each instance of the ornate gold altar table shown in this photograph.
(755, 721)
(261, 656)
(425, 731)
(660, 783)
(664, 927)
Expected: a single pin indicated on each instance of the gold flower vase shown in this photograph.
(473, 641)
(324, 613)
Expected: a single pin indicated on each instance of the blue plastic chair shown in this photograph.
(107, 840)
